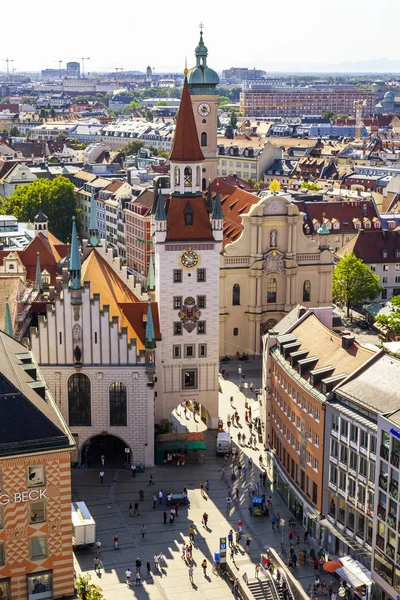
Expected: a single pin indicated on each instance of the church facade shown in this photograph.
(269, 269)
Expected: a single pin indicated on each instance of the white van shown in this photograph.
(83, 526)
(223, 443)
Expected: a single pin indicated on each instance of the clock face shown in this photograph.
(204, 109)
(189, 258)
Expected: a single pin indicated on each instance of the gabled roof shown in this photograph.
(30, 423)
(186, 147)
(342, 212)
(121, 300)
(176, 228)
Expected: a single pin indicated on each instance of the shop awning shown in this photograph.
(196, 445)
(354, 573)
(194, 435)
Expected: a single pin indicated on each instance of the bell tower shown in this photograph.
(203, 82)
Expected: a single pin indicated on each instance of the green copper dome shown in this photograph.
(323, 230)
(202, 79)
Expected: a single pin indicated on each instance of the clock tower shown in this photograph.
(203, 83)
(187, 243)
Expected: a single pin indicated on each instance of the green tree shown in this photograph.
(164, 426)
(389, 323)
(133, 147)
(396, 301)
(309, 186)
(162, 103)
(52, 112)
(87, 590)
(328, 114)
(14, 131)
(149, 115)
(353, 282)
(343, 117)
(233, 119)
(222, 100)
(56, 198)
(43, 113)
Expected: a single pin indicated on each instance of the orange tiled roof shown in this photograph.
(186, 147)
(51, 251)
(176, 228)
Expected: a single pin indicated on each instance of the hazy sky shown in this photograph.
(259, 33)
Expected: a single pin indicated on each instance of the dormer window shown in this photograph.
(188, 214)
(336, 225)
(384, 253)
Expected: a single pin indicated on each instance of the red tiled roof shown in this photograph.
(344, 212)
(176, 228)
(369, 245)
(235, 202)
(186, 147)
(51, 251)
(134, 313)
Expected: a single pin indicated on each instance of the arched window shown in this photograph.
(204, 139)
(188, 177)
(235, 331)
(79, 400)
(306, 291)
(198, 176)
(117, 394)
(271, 290)
(204, 184)
(177, 176)
(236, 295)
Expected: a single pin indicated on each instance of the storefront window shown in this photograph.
(40, 585)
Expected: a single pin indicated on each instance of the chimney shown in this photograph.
(347, 341)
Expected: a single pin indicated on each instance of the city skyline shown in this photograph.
(340, 40)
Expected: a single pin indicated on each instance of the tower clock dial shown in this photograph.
(189, 258)
(204, 109)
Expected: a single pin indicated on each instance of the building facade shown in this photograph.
(269, 268)
(187, 243)
(260, 99)
(36, 559)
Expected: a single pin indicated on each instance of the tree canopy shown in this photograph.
(353, 282)
(391, 323)
(55, 197)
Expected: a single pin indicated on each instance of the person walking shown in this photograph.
(207, 485)
(130, 510)
(237, 494)
(165, 515)
(202, 488)
(239, 436)
(101, 475)
(330, 588)
(160, 497)
(141, 495)
(177, 509)
(143, 531)
(133, 470)
(190, 572)
(96, 564)
(228, 503)
(128, 574)
(248, 542)
(116, 542)
(236, 586)
(230, 538)
(151, 480)
(257, 570)
(103, 460)
(156, 561)
(138, 579)
(204, 567)
(191, 533)
(138, 565)
(240, 526)
(98, 546)
(154, 502)
(205, 519)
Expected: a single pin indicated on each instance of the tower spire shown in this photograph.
(75, 259)
(186, 146)
(150, 337)
(160, 210)
(93, 228)
(8, 326)
(150, 275)
(38, 278)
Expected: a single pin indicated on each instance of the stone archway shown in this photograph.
(270, 324)
(112, 447)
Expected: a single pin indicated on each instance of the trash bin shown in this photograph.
(217, 557)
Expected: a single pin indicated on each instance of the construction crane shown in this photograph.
(8, 61)
(358, 108)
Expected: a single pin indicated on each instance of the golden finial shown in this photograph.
(185, 70)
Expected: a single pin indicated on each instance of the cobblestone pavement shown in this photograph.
(109, 503)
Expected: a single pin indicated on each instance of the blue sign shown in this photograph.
(396, 434)
(222, 544)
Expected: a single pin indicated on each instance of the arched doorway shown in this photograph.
(270, 324)
(112, 447)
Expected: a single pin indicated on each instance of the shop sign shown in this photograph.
(395, 433)
(24, 496)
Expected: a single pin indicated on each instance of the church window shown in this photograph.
(235, 331)
(177, 176)
(271, 290)
(204, 183)
(202, 350)
(176, 351)
(177, 302)
(177, 275)
(201, 301)
(189, 351)
(198, 176)
(236, 295)
(118, 405)
(79, 400)
(201, 274)
(204, 139)
(188, 177)
(178, 328)
(201, 327)
(189, 379)
(306, 290)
